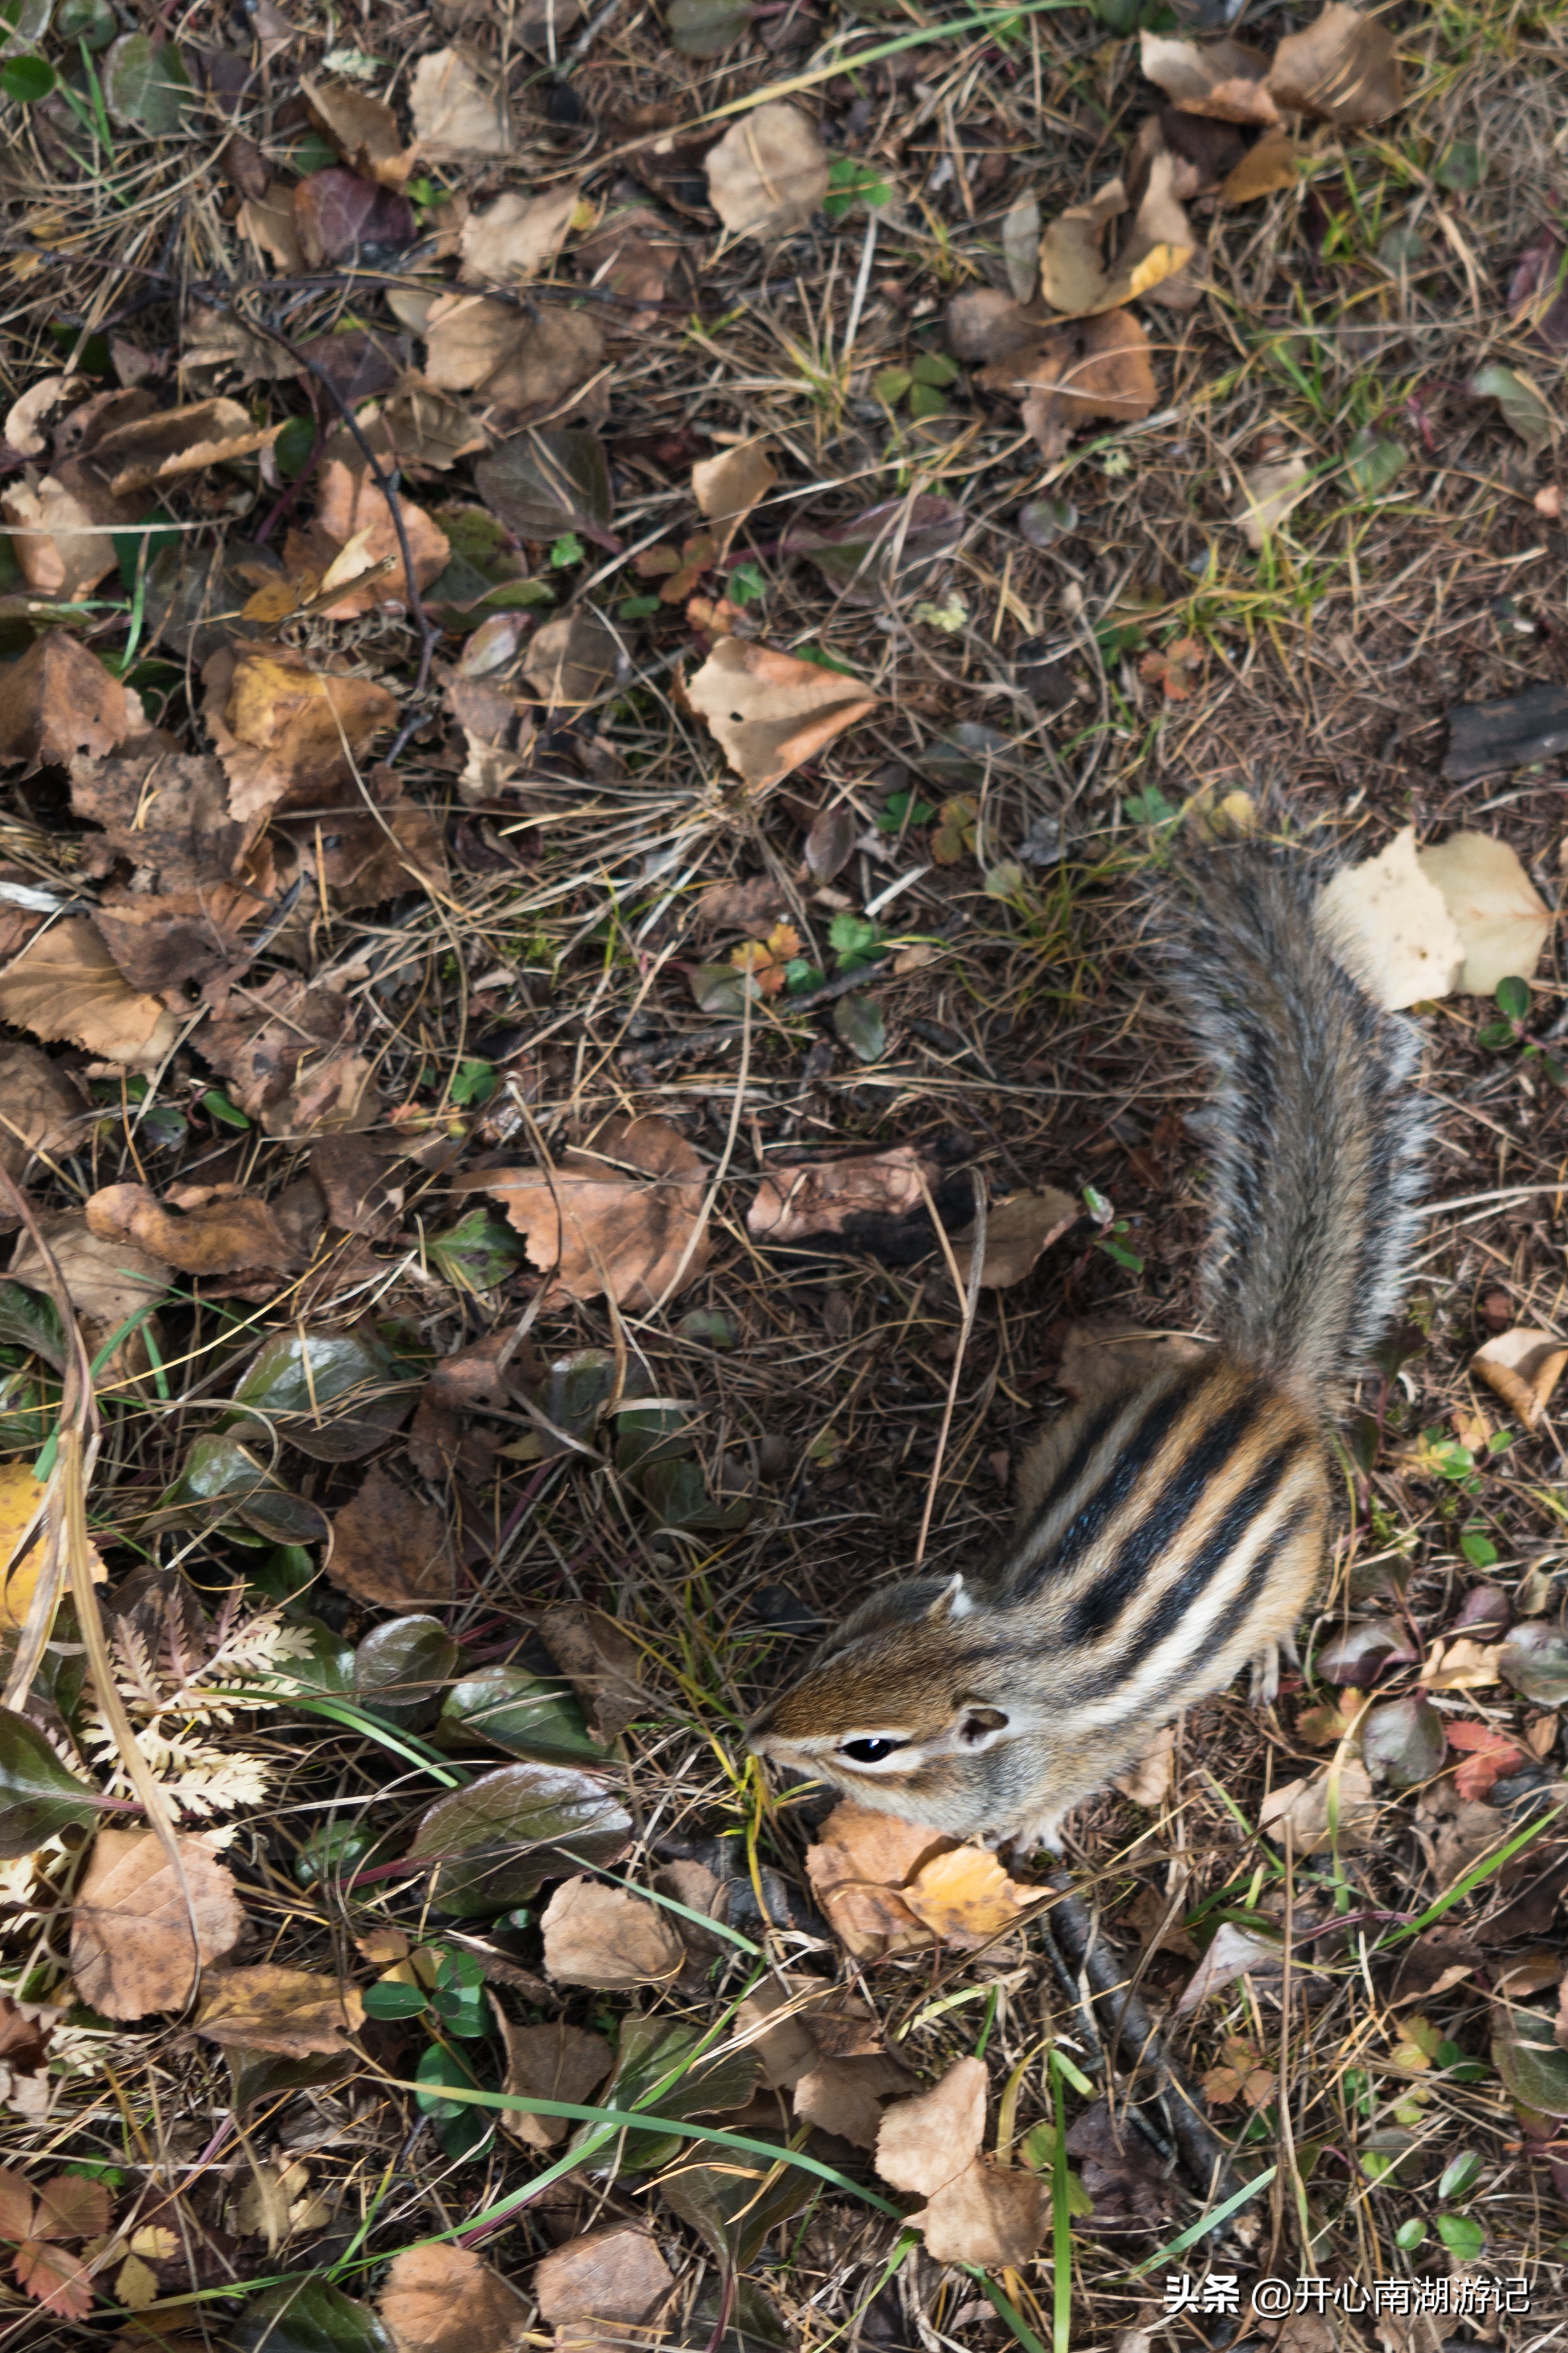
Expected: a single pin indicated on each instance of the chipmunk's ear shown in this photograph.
(953, 1601)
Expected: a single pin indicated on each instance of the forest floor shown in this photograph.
(746, 831)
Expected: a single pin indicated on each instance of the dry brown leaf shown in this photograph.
(827, 1195)
(1269, 493)
(966, 1898)
(108, 1282)
(631, 255)
(594, 1227)
(350, 507)
(858, 1868)
(1304, 1805)
(604, 1937)
(1018, 1232)
(555, 2061)
(614, 2275)
(990, 2214)
(65, 984)
(131, 1951)
(572, 661)
(364, 129)
(1234, 1952)
(460, 117)
(1075, 280)
(1098, 368)
(389, 1546)
(291, 1061)
(1523, 1367)
(846, 2095)
(446, 2300)
(267, 221)
(290, 2012)
(1463, 1665)
(769, 711)
(1388, 922)
(176, 441)
(39, 1108)
(24, 416)
(425, 429)
(728, 487)
(169, 941)
(1270, 165)
(166, 813)
(1502, 920)
(927, 2142)
(1344, 67)
(769, 173)
(1223, 79)
(516, 237)
(602, 1665)
(62, 527)
(228, 1232)
(1148, 1782)
(509, 360)
(285, 731)
(58, 701)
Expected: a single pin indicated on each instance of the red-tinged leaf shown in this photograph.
(1487, 1756)
(72, 2207)
(16, 2204)
(337, 214)
(58, 2280)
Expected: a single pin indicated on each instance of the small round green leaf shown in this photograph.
(391, 2000)
(26, 79)
(1461, 2236)
(1461, 2175)
(146, 86)
(1513, 996)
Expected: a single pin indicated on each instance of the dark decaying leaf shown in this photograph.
(220, 1479)
(859, 1021)
(887, 550)
(1526, 2055)
(1534, 1662)
(495, 1843)
(1363, 1651)
(732, 2207)
(650, 2049)
(544, 483)
(1402, 1741)
(38, 1795)
(706, 28)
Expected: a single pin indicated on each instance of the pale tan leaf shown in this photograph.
(1304, 1805)
(62, 529)
(172, 442)
(1223, 79)
(268, 222)
(65, 984)
(58, 701)
(990, 2214)
(728, 487)
(509, 360)
(1098, 368)
(604, 1937)
(769, 173)
(823, 1196)
(966, 1897)
(1269, 493)
(1463, 1665)
(1018, 1231)
(460, 117)
(1390, 925)
(1502, 920)
(131, 1951)
(846, 2095)
(769, 711)
(926, 2142)
(516, 236)
(1021, 247)
(1344, 67)
(1523, 1367)
(444, 2299)
(554, 2061)
(1148, 1782)
(290, 2012)
(1232, 1952)
(614, 2275)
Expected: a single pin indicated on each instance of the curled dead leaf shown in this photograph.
(966, 1898)
(769, 711)
(1306, 1805)
(221, 1235)
(65, 984)
(1269, 165)
(1018, 1231)
(458, 114)
(1502, 920)
(516, 236)
(572, 661)
(554, 2061)
(1389, 924)
(1075, 279)
(1523, 1367)
(927, 2142)
(62, 527)
(291, 2011)
(1269, 493)
(728, 487)
(351, 509)
(58, 701)
(989, 2214)
(285, 731)
(829, 1195)
(614, 2275)
(1098, 369)
(1344, 67)
(1225, 80)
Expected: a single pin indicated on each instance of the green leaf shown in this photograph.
(891, 384)
(850, 183)
(542, 484)
(1479, 1548)
(1522, 407)
(1525, 2054)
(298, 1375)
(1463, 2237)
(934, 368)
(1373, 461)
(392, 1999)
(91, 22)
(706, 28)
(859, 1021)
(307, 2316)
(146, 86)
(26, 79)
(400, 1667)
(23, 24)
(1459, 167)
(479, 1251)
(1403, 1743)
(526, 1714)
(29, 1320)
(1533, 1661)
(854, 939)
(1513, 998)
(1042, 522)
(677, 1496)
(639, 608)
(473, 1082)
(1461, 2175)
(1410, 2234)
(721, 988)
(38, 1795)
(576, 1389)
(746, 585)
(926, 401)
(293, 446)
(648, 2049)
(329, 1668)
(1495, 1034)
(495, 1843)
(217, 1106)
(334, 1850)
(711, 1325)
(567, 549)
(221, 1480)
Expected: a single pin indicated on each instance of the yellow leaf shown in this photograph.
(20, 1495)
(966, 1897)
(136, 2286)
(156, 2242)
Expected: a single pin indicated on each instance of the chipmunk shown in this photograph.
(1172, 1524)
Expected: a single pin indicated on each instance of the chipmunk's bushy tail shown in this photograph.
(1317, 1131)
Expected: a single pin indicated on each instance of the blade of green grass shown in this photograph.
(1204, 2223)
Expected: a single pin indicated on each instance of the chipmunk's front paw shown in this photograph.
(1266, 1669)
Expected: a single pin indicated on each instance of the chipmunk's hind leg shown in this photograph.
(1265, 1688)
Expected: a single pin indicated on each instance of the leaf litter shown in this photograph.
(590, 594)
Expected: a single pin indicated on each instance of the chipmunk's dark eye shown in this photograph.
(870, 1752)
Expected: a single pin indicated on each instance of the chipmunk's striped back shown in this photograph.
(1172, 1524)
